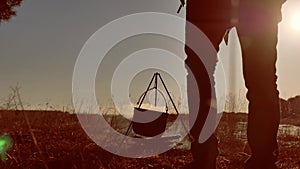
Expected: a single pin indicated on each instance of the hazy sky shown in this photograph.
(39, 47)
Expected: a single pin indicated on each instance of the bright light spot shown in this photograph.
(296, 21)
(5, 144)
(2, 143)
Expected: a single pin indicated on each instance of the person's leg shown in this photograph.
(212, 18)
(258, 41)
(204, 154)
(259, 58)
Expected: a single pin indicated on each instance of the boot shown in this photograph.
(204, 154)
(265, 162)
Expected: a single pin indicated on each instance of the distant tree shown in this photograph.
(294, 105)
(7, 9)
(284, 108)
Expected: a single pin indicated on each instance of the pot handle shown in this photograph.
(141, 98)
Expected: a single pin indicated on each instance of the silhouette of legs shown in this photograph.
(257, 29)
(259, 60)
(204, 154)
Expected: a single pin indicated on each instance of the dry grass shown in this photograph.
(64, 145)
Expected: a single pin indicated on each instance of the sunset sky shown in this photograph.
(39, 47)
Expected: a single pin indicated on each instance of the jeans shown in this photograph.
(257, 27)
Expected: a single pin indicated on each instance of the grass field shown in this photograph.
(61, 143)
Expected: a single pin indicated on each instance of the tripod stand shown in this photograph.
(158, 125)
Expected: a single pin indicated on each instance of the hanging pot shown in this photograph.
(149, 123)
(153, 128)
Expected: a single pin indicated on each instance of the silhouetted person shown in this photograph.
(257, 26)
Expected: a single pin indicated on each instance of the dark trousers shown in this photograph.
(257, 27)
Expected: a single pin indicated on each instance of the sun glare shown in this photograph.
(296, 21)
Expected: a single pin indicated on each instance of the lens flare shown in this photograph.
(5, 144)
